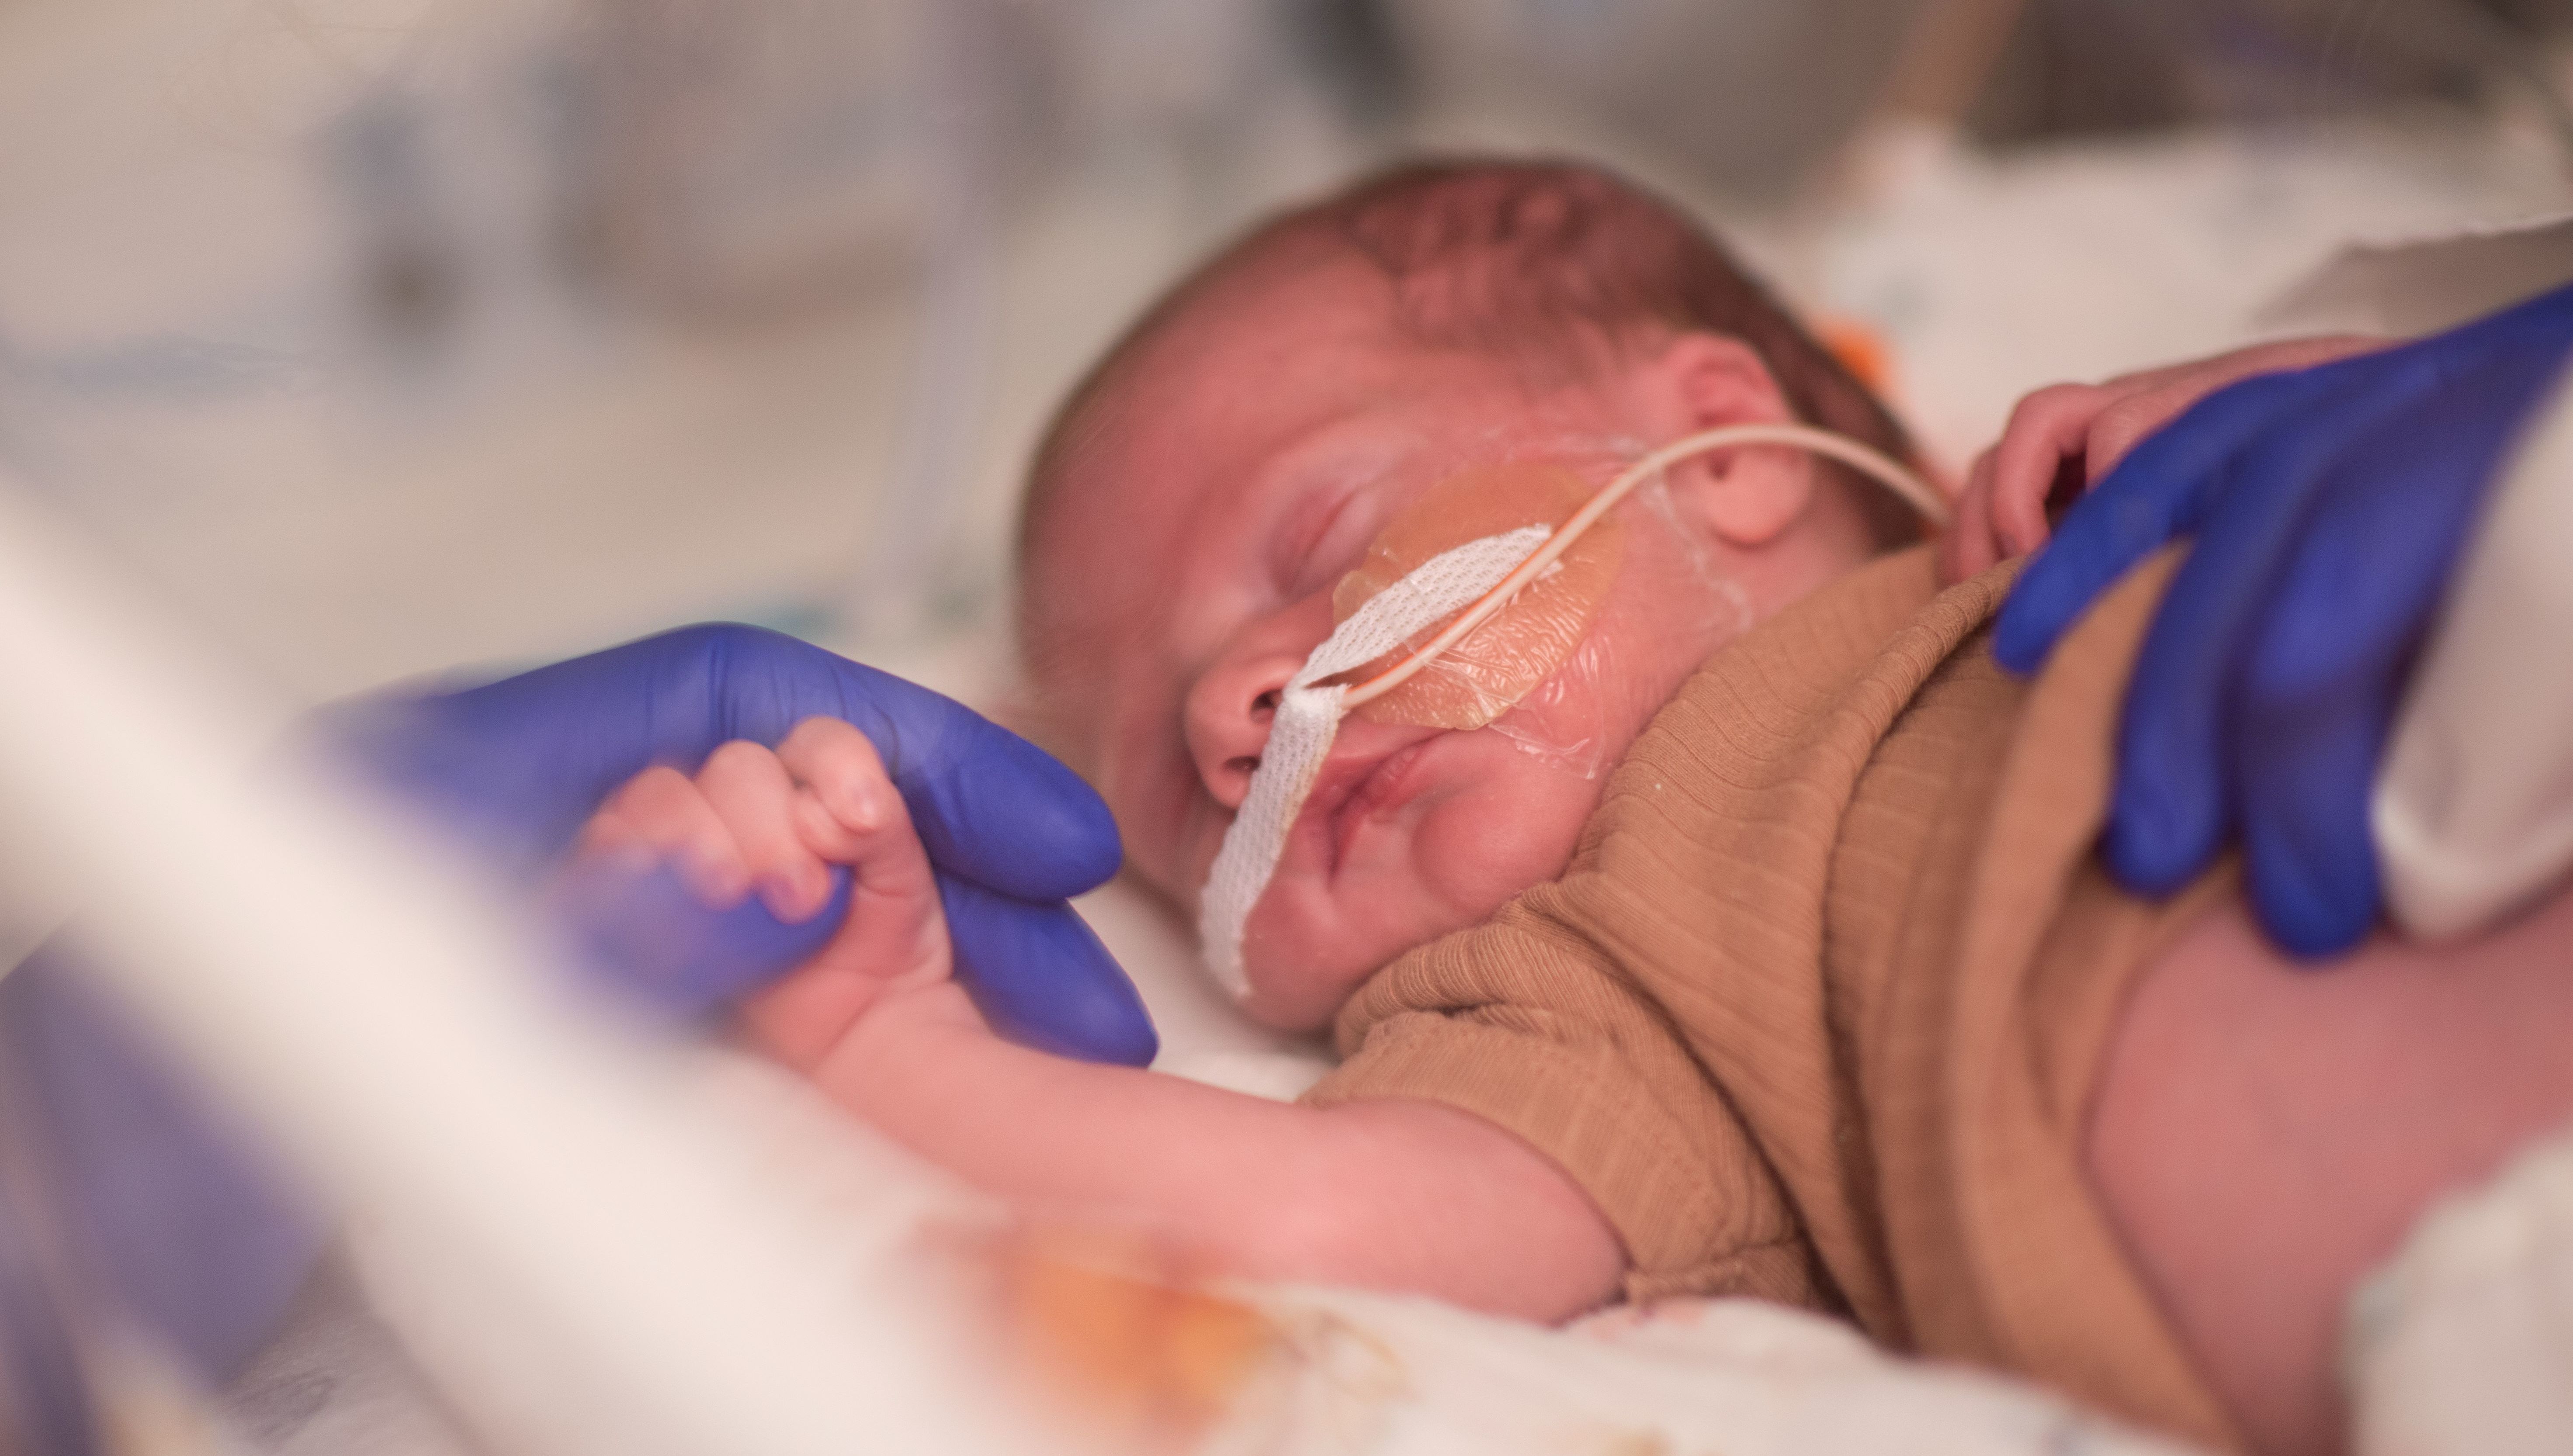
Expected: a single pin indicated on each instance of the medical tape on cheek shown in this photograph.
(1307, 718)
(1522, 644)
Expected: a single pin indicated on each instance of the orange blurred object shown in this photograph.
(1861, 351)
(1114, 1327)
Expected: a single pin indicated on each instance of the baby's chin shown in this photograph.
(1298, 981)
(1491, 822)
(1294, 1007)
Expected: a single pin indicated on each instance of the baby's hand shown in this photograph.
(2063, 439)
(773, 823)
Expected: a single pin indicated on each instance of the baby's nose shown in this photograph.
(1227, 716)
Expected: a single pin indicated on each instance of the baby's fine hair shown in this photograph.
(1548, 260)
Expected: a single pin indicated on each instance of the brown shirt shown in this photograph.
(1815, 1011)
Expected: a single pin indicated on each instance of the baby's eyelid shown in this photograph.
(1297, 535)
(1331, 549)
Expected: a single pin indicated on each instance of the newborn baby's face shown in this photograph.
(1241, 468)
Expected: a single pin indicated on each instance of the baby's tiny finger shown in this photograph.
(663, 810)
(751, 790)
(2048, 428)
(842, 769)
(851, 813)
(610, 832)
(822, 831)
(2123, 426)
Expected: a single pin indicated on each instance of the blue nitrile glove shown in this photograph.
(177, 1214)
(518, 764)
(154, 1192)
(2328, 506)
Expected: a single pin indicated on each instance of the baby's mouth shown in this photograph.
(1350, 790)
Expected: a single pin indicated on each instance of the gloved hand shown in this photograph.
(518, 765)
(180, 1218)
(2328, 506)
(154, 1193)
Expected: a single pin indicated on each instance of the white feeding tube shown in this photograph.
(1915, 492)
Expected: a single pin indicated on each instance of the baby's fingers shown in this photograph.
(2049, 429)
(849, 810)
(756, 797)
(661, 815)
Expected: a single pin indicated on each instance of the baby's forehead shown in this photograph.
(1265, 324)
(1249, 364)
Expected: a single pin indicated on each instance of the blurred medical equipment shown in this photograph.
(1462, 587)
(733, 162)
(190, 1227)
(2458, 1345)
(2328, 508)
(641, 1281)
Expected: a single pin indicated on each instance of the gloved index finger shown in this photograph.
(2159, 492)
(997, 809)
(1042, 977)
(2172, 805)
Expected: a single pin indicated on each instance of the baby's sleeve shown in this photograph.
(1528, 1024)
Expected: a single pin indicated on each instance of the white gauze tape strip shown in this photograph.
(1309, 718)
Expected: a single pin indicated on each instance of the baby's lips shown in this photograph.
(1523, 643)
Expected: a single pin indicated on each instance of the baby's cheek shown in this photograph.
(1167, 824)
(1514, 829)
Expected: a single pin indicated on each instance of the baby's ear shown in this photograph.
(1749, 496)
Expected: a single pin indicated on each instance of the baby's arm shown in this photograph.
(2064, 439)
(1392, 1194)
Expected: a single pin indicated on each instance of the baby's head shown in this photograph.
(1370, 362)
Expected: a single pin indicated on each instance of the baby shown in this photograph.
(1816, 997)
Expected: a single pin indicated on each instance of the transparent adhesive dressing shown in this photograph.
(1499, 663)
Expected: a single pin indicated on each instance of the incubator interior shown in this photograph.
(344, 343)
